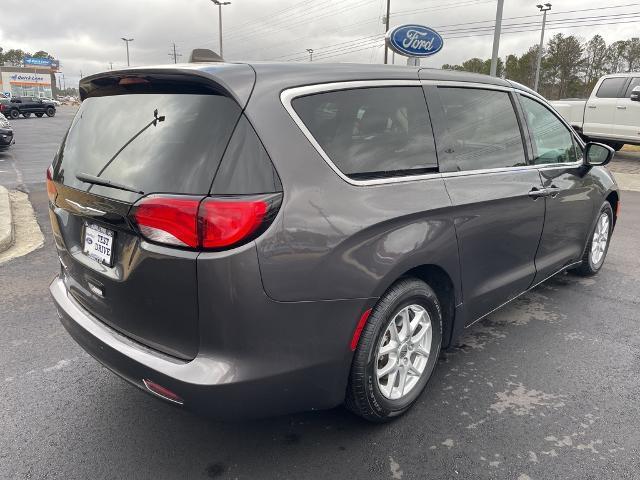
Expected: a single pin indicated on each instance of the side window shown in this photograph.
(635, 82)
(372, 132)
(611, 87)
(552, 140)
(483, 130)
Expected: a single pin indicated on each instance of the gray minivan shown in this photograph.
(255, 239)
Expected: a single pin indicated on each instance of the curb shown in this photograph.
(6, 220)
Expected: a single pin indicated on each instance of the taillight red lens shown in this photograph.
(169, 220)
(227, 222)
(52, 192)
(207, 223)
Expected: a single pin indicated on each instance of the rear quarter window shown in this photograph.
(371, 132)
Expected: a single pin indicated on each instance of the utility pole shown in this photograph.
(310, 50)
(110, 65)
(544, 9)
(496, 39)
(386, 29)
(127, 40)
(175, 54)
(220, 4)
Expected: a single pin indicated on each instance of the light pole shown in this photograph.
(544, 9)
(496, 39)
(220, 4)
(310, 50)
(386, 29)
(127, 40)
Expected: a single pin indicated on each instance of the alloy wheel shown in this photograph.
(600, 239)
(403, 352)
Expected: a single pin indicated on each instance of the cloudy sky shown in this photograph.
(85, 35)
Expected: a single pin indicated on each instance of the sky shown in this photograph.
(86, 35)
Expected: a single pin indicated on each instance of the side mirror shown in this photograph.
(597, 154)
(635, 94)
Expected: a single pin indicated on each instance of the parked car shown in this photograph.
(25, 106)
(6, 132)
(273, 238)
(611, 114)
(52, 100)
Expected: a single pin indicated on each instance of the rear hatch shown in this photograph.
(138, 137)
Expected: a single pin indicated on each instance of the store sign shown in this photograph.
(38, 62)
(28, 77)
(414, 40)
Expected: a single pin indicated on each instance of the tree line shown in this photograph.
(15, 57)
(570, 68)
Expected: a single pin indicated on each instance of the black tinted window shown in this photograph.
(118, 138)
(483, 130)
(372, 132)
(635, 82)
(611, 87)
(246, 167)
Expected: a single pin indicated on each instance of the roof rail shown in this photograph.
(204, 55)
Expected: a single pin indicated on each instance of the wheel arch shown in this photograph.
(614, 199)
(444, 287)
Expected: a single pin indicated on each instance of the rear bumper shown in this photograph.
(233, 385)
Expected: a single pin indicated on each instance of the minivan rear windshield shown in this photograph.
(151, 142)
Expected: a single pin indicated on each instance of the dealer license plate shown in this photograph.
(98, 243)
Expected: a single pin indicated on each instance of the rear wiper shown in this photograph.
(86, 178)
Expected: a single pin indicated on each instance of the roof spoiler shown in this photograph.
(204, 55)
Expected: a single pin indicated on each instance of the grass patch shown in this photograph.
(631, 148)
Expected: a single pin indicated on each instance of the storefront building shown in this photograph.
(26, 81)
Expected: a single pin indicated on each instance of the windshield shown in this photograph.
(150, 142)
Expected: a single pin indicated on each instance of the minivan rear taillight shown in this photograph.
(210, 223)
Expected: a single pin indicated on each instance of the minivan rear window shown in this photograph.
(151, 142)
(372, 132)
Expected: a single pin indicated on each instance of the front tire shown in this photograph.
(51, 111)
(26, 115)
(397, 352)
(598, 245)
(39, 115)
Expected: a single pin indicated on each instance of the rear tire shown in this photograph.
(411, 309)
(39, 115)
(598, 245)
(14, 114)
(26, 115)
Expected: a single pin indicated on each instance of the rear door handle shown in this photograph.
(621, 107)
(591, 106)
(536, 192)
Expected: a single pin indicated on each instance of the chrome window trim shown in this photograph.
(288, 95)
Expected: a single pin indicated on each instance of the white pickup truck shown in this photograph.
(611, 114)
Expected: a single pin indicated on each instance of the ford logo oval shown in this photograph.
(415, 40)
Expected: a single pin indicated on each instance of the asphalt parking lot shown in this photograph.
(546, 388)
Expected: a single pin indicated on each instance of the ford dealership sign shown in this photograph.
(415, 40)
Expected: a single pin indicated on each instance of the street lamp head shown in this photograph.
(127, 39)
(545, 7)
(218, 2)
(310, 50)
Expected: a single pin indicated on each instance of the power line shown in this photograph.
(476, 31)
(365, 44)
